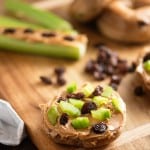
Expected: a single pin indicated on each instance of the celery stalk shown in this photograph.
(53, 50)
(10, 22)
(46, 19)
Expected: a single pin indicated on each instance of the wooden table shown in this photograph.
(20, 85)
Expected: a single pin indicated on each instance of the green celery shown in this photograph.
(46, 19)
(53, 50)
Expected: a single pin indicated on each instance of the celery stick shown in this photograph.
(46, 19)
(10, 22)
(53, 50)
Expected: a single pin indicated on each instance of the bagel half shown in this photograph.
(82, 135)
(126, 21)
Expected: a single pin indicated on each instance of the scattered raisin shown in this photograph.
(99, 128)
(114, 86)
(132, 67)
(28, 30)
(98, 90)
(48, 34)
(46, 80)
(138, 91)
(61, 81)
(69, 38)
(87, 107)
(59, 70)
(75, 95)
(63, 119)
(115, 79)
(9, 31)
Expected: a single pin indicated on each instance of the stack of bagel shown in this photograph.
(121, 20)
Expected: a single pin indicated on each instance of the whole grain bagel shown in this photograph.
(63, 131)
(85, 11)
(126, 21)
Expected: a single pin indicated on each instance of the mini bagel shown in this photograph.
(85, 11)
(126, 21)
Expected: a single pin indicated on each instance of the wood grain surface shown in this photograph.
(21, 86)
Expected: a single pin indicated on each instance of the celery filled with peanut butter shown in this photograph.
(43, 42)
(43, 18)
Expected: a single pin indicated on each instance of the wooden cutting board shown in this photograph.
(21, 86)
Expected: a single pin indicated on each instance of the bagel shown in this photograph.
(82, 129)
(141, 70)
(85, 11)
(126, 21)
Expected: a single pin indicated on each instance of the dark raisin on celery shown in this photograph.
(28, 30)
(78, 95)
(138, 91)
(46, 80)
(69, 38)
(48, 34)
(87, 107)
(63, 119)
(9, 31)
(61, 99)
(99, 128)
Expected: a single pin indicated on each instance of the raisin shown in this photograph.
(115, 79)
(48, 34)
(89, 68)
(69, 38)
(87, 107)
(63, 119)
(132, 67)
(9, 31)
(28, 30)
(61, 81)
(99, 128)
(61, 99)
(98, 90)
(46, 80)
(138, 91)
(75, 95)
(146, 57)
(59, 70)
(114, 86)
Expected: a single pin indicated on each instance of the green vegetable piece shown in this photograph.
(101, 114)
(53, 114)
(69, 109)
(72, 87)
(118, 104)
(46, 19)
(99, 100)
(14, 23)
(147, 66)
(52, 50)
(77, 103)
(80, 122)
(87, 90)
(107, 91)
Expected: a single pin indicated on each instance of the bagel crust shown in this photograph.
(145, 76)
(126, 21)
(65, 134)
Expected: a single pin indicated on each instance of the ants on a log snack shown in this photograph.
(85, 117)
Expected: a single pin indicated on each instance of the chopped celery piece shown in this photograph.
(99, 100)
(118, 104)
(107, 91)
(80, 122)
(69, 109)
(53, 50)
(46, 19)
(53, 114)
(72, 87)
(87, 90)
(14, 23)
(147, 66)
(101, 114)
(75, 102)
